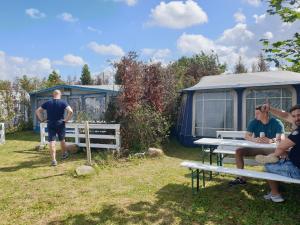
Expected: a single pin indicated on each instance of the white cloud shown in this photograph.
(177, 14)
(93, 29)
(111, 49)
(35, 13)
(13, 66)
(239, 17)
(259, 18)
(156, 55)
(195, 43)
(240, 40)
(268, 35)
(237, 34)
(254, 2)
(70, 60)
(128, 2)
(67, 17)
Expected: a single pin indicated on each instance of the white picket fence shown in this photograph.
(2, 133)
(76, 131)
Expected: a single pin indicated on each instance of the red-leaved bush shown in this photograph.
(144, 102)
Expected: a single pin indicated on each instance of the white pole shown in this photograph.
(87, 142)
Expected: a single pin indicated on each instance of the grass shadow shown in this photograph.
(174, 149)
(215, 204)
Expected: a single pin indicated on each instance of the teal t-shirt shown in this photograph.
(273, 127)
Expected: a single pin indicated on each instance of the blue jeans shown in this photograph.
(284, 168)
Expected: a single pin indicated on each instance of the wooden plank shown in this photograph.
(239, 172)
(237, 143)
(231, 134)
(87, 143)
(75, 134)
(99, 146)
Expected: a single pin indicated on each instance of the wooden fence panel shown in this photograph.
(97, 132)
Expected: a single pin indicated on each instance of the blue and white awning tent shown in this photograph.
(227, 101)
(91, 100)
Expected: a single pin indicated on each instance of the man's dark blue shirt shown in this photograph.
(55, 111)
(294, 153)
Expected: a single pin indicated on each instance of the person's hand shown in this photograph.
(265, 107)
(265, 140)
(283, 155)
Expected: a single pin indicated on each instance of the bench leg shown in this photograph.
(203, 178)
(195, 174)
(210, 161)
(198, 179)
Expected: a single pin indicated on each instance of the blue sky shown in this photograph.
(39, 36)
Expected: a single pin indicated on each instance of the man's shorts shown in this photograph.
(59, 130)
(256, 151)
(284, 167)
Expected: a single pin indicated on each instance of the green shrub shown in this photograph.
(143, 128)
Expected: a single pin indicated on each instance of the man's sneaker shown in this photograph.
(263, 159)
(54, 163)
(65, 155)
(274, 198)
(237, 181)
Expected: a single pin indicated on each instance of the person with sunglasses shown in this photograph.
(262, 129)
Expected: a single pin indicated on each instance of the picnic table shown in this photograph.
(235, 143)
(213, 142)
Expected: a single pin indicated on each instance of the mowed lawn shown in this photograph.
(140, 191)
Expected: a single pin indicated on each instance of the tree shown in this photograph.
(189, 70)
(100, 79)
(261, 64)
(86, 78)
(240, 67)
(54, 79)
(285, 53)
(130, 76)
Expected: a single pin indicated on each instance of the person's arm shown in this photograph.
(283, 147)
(69, 113)
(249, 137)
(250, 131)
(279, 113)
(39, 114)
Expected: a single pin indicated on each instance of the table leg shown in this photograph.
(210, 160)
(198, 179)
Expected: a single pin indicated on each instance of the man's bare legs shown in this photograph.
(274, 187)
(63, 146)
(239, 157)
(52, 150)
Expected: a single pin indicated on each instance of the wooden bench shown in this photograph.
(199, 168)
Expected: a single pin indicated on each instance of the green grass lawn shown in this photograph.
(144, 191)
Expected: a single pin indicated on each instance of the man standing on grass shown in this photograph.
(56, 123)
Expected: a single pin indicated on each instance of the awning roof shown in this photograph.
(258, 79)
(98, 88)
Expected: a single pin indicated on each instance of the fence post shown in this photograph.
(42, 133)
(118, 144)
(87, 142)
(2, 133)
(76, 134)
